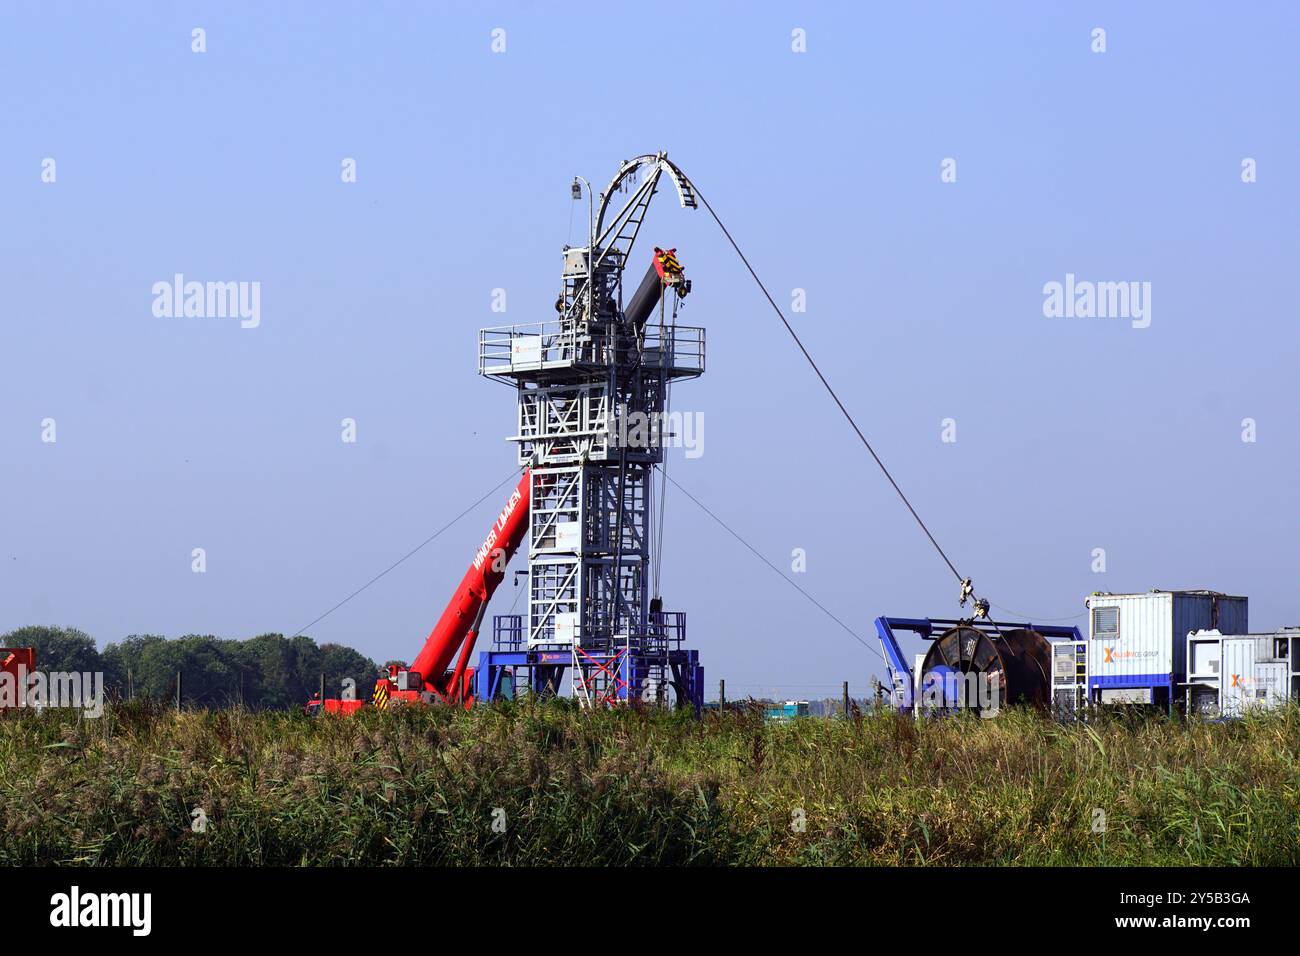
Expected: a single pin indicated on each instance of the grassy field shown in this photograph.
(563, 787)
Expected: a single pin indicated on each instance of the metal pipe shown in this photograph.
(645, 298)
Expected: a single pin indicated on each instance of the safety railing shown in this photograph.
(665, 631)
(532, 346)
(679, 349)
(539, 346)
(508, 632)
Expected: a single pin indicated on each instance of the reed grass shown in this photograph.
(537, 783)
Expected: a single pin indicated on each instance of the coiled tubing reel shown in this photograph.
(1008, 667)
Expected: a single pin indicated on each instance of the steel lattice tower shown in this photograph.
(591, 387)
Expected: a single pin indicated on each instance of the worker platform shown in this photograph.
(547, 351)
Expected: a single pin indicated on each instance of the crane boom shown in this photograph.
(460, 620)
(428, 677)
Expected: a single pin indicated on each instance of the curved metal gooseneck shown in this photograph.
(626, 223)
(656, 164)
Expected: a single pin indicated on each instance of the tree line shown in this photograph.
(267, 672)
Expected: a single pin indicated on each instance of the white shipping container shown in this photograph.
(1140, 640)
(1233, 673)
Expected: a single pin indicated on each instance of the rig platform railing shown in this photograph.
(666, 631)
(532, 349)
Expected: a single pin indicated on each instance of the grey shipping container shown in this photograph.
(1137, 643)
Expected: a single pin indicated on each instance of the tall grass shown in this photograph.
(426, 786)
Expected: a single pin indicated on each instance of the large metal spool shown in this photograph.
(1020, 660)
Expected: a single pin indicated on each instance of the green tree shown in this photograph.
(211, 675)
(267, 672)
(287, 671)
(123, 663)
(58, 648)
(338, 662)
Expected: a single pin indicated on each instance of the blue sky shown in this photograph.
(924, 302)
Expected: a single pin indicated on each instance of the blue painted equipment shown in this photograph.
(1018, 655)
(784, 713)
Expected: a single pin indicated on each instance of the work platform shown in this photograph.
(545, 351)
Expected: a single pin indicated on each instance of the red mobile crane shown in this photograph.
(19, 662)
(428, 677)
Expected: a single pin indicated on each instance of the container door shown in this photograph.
(1271, 688)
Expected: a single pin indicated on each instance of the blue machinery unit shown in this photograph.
(644, 669)
(994, 634)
